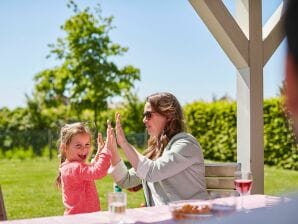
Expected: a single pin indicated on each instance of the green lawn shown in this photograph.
(29, 190)
(280, 181)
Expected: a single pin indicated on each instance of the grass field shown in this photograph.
(29, 190)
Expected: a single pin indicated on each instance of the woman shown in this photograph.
(172, 167)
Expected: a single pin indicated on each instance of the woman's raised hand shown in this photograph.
(112, 144)
(121, 139)
(130, 152)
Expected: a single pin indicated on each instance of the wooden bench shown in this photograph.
(2, 207)
(220, 177)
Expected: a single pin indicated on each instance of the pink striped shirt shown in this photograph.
(79, 194)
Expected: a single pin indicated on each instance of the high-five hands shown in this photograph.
(131, 153)
(100, 146)
(121, 139)
(112, 138)
(110, 141)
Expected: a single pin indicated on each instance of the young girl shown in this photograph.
(76, 177)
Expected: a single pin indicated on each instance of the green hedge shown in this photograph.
(214, 125)
(280, 142)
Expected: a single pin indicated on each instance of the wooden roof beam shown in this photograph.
(225, 30)
(273, 33)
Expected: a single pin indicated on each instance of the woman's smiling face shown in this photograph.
(154, 122)
(79, 148)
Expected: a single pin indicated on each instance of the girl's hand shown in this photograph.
(100, 146)
(121, 139)
(100, 142)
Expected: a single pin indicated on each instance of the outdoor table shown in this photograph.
(158, 214)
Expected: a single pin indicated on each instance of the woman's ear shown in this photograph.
(169, 117)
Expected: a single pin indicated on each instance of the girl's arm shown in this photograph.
(101, 163)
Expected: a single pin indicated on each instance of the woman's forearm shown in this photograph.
(131, 154)
(115, 159)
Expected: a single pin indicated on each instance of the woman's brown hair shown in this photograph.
(165, 104)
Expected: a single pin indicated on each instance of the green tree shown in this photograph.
(131, 110)
(87, 77)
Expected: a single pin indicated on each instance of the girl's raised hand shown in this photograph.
(100, 146)
(100, 142)
(121, 139)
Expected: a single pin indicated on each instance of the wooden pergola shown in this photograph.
(249, 46)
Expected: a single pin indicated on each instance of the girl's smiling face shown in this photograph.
(79, 148)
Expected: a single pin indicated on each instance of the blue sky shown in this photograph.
(166, 39)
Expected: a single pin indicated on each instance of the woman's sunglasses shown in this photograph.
(148, 114)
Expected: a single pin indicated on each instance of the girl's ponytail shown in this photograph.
(58, 179)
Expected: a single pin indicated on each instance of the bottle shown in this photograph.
(116, 188)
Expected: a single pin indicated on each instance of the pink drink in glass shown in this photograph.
(243, 183)
(243, 186)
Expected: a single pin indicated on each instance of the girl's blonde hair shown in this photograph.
(165, 104)
(66, 134)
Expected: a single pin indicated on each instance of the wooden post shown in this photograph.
(249, 50)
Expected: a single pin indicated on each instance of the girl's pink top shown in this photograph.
(79, 193)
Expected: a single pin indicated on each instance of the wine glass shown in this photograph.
(243, 184)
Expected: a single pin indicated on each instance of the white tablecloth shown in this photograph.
(160, 214)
